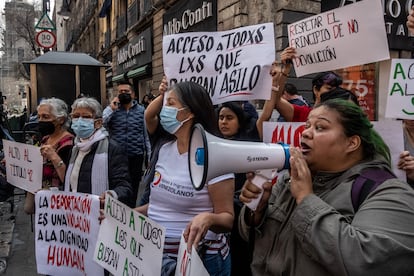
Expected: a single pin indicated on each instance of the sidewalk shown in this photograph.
(17, 239)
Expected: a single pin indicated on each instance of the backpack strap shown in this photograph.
(366, 182)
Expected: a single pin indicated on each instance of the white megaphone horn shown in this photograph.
(210, 156)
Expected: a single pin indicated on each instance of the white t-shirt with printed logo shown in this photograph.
(173, 200)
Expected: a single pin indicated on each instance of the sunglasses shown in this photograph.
(115, 103)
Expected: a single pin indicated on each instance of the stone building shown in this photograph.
(127, 35)
(19, 45)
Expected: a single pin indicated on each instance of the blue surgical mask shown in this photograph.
(83, 128)
(169, 122)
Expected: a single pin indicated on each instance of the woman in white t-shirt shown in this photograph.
(205, 217)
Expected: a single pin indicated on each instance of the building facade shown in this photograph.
(127, 36)
(18, 45)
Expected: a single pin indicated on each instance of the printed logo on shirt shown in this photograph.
(157, 178)
(174, 188)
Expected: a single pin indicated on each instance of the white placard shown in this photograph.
(290, 133)
(351, 35)
(232, 65)
(189, 264)
(129, 243)
(24, 165)
(400, 99)
(65, 233)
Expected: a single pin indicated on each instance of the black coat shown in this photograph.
(118, 174)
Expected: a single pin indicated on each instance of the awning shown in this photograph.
(119, 77)
(140, 71)
(105, 8)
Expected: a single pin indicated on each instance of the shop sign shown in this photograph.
(192, 16)
(136, 52)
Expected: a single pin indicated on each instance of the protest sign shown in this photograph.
(65, 233)
(339, 38)
(24, 165)
(400, 99)
(290, 133)
(232, 65)
(189, 264)
(129, 243)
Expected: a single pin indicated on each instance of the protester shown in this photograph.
(290, 94)
(126, 126)
(204, 217)
(97, 164)
(410, 21)
(233, 124)
(147, 99)
(307, 224)
(406, 161)
(55, 145)
(325, 85)
(111, 107)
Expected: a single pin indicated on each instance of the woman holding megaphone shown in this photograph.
(335, 213)
(204, 217)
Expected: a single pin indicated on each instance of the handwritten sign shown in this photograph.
(129, 243)
(339, 38)
(189, 264)
(24, 165)
(65, 233)
(290, 133)
(232, 65)
(400, 99)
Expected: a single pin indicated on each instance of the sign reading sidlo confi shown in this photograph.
(137, 52)
(191, 16)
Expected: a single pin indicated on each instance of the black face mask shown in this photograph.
(46, 128)
(124, 98)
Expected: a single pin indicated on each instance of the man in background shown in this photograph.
(126, 125)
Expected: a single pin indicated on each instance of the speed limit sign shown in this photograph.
(46, 39)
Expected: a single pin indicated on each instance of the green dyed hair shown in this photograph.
(355, 122)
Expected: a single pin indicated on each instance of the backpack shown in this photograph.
(366, 182)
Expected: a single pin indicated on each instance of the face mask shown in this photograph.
(169, 122)
(46, 128)
(83, 128)
(124, 98)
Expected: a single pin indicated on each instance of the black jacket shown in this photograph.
(118, 175)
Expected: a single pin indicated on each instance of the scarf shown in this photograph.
(99, 174)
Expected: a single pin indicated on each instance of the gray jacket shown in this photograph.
(323, 236)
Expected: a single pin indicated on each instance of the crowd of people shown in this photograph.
(316, 219)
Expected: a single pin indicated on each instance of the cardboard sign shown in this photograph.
(189, 264)
(400, 99)
(290, 133)
(65, 233)
(352, 35)
(232, 65)
(24, 165)
(129, 243)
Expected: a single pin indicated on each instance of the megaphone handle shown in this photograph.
(257, 180)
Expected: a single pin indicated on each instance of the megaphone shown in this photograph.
(210, 156)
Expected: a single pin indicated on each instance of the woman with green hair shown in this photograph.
(309, 223)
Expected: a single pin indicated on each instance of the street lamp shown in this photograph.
(65, 9)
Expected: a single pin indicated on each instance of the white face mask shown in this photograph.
(168, 116)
